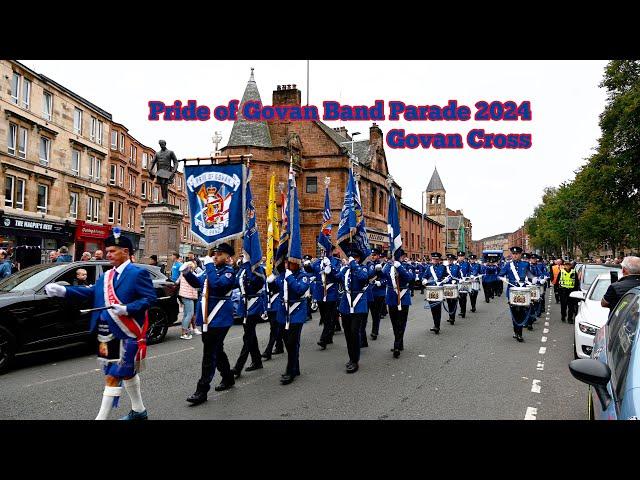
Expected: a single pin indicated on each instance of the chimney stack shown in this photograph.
(287, 95)
(342, 131)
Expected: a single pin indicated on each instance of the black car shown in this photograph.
(31, 321)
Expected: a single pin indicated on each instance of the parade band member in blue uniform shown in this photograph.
(325, 293)
(474, 271)
(273, 298)
(433, 274)
(463, 272)
(489, 273)
(399, 282)
(292, 313)
(454, 273)
(353, 304)
(543, 276)
(517, 272)
(215, 313)
(129, 291)
(251, 309)
(378, 291)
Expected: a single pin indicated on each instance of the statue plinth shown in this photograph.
(162, 232)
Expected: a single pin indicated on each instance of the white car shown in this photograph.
(591, 315)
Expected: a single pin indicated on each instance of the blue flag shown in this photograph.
(324, 237)
(290, 246)
(393, 227)
(251, 248)
(216, 195)
(352, 229)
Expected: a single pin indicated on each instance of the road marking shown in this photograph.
(546, 324)
(545, 330)
(535, 387)
(540, 365)
(422, 356)
(531, 413)
(542, 350)
(543, 339)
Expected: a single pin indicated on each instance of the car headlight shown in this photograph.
(588, 329)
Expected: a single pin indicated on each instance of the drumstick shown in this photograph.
(89, 310)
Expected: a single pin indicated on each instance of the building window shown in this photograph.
(114, 140)
(99, 133)
(97, 169)
(133, 152)
(15, 88)
(155, 194)
(143, 190)
(96, 209)
(374, 192)
(12, 140)
(19, 197)
(9, 185)
(119, 213)
(142, 223)
(130, 218)
(45, 150)
(179, 182)
(26, 93)
(89, 208)
(112, 174)
(145, 160)
(22, 142)
(381, 202)
(122, 142)
(438, 199)
(112, 208)
(94, 126)
(73, 205)
(77, 121)
(75, 161)
(43, 198)
(47, 106)
(312, 185)
(413, 243)
(121, 176)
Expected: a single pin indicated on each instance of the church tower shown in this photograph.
(436, 206)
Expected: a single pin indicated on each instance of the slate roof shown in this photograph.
(435, 183)
(249, 133)
(335, 136)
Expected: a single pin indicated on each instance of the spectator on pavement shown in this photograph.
(175, 267)
(64, 255)
(189, 297)
(98, 255)
(555, 278)
(53, 256)
(5, 265)
(86, 256)
(154, 260)
(630, 279)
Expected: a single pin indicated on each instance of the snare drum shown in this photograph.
(464, 286)
(434, 293)
(535, 293)
(450, 291)
(475, 284)
(520, 296)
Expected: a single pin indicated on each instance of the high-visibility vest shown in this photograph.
(567, 279)
(555, 270)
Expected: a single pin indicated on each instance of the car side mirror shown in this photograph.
(595, 373)
(577, 294)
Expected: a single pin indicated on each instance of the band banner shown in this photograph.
(216, 195)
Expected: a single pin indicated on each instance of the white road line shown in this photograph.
(546, 324)
(531, 413)
(543, 339)
(542, 350)
(546, 330)
(535, 387)
(540, 365)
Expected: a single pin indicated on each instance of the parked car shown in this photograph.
(586, 273)
(591, 315)
(613, 371)
(31, 321)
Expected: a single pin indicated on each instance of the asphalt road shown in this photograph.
(472, 370)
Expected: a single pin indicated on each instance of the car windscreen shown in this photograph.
(592, 271)
(600, 289)
(30, 278)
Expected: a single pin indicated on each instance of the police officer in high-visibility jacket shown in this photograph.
(400, 279)
(217, 283)
(353, 305)
(516, 272)
(474, 271)
(292, 314)
(435, 274)
(567, 282)
(325, 293)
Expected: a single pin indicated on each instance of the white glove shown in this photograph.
(119, 309)
(327, 269)
(55, 290)
(425, 281)
(271, 278)
(287, 273)
(240, 261)
(378, 283)
(378, 267)
(185, 266)
(307, 263)
(351, 259)
(326, 261)
(312, 279)
(397, 264)
(207, 260)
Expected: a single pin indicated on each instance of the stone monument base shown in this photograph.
(162, 224)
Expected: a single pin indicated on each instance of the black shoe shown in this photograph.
(571, 321)
(486, 300)
(473, 310)
(224, 385)
(253, 366)
(236, 373)
(563, 319)
(463, 314)
(266, 356)
(197, 398)
(364, 344)
(278, 351)
(286, 379)
(374, 336)
(435, 330)
(529, 327)
(396, 353)
(323, 345)
(352, 367)
(515, 335)
(329, 342)
(321, 322)
(520, 339)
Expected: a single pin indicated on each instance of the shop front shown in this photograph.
(31, 240)
(89, 237)
(379, 240)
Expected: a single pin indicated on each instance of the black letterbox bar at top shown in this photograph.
(225, 160)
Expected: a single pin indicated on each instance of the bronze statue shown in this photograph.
(167, 168)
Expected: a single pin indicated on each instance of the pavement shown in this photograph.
(473, 370)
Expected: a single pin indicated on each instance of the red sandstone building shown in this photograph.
(319, 151)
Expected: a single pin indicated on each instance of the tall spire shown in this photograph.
(435, 183)
(245, 132)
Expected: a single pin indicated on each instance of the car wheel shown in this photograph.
(158, 326)
(7, 349)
